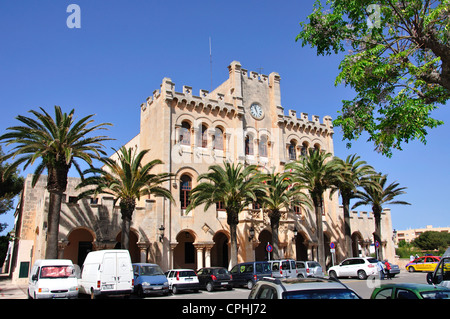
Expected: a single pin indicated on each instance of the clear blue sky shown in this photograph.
(125, 48)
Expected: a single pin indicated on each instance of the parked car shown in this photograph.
(309, 268)
(149, 279)
(360, 267)
(301, 269)
(283, 268)
(182, 279)
(301, 288)
(247, 274)
(52, 278)
(441, 275)
(410, 291)
(107, 272)
(395, 269)
(211, 278)
(425, 263)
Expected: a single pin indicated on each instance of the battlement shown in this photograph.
(205, 99)
(304, 122)
(366, 215)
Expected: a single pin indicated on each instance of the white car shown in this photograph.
(182, 279)
(361, 267)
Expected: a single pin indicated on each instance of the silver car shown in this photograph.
(309, 268)
(304, 288)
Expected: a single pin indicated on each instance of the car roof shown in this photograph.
(418, 287)
(292, 284)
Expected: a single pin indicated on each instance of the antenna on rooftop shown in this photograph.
(210, 61)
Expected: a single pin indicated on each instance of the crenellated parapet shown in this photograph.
(204, 101)
(305, 123)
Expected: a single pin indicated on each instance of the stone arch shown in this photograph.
(80, 242)
(357, 249)
(220, 252)
(264, 237)
(133, 247)
(301, 245)
(184, 254)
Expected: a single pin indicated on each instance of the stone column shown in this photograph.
(199, 249)
(143, 251)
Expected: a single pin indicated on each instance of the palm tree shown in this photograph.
(235, 186)
(127, 179)
(317, 173)
(280, 194)
(377, 194)
(352, 173)
(57, 143)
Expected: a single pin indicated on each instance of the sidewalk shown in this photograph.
(8, 290)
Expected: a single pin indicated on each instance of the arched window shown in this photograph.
(304, 149)
(263, 146)
(185, 133)
(248, 145)
(185, 188)
(292, 150)
(203, 136)
(218, 139)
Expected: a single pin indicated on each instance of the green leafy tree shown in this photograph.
(126, 179)
(351, 174)
(233, 185)
(317, 172)
(378, 194)
(10, 186)
(57, 142)
(279, 196)
(431, 240)
(398, 63)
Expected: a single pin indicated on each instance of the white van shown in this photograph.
(107, 272)
(283, 268)
(52, 278)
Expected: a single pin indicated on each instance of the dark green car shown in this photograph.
(410, 291)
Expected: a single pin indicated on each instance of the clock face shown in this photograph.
(256, 111)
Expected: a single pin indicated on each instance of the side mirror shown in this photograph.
(34, 277)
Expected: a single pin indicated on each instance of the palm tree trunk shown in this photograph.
(233, 221)
(126, 209)
(275, 223)
(377, 233)
(56, 186)
(319, 226)
(347, 229)
(54, 209)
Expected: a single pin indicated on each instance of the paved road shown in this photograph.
(362, 287)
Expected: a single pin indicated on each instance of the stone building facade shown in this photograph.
(242, 120)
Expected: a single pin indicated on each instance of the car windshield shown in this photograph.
(151, 271)
(436, 294)
(320, 294)
(313, 264)
(57, 272)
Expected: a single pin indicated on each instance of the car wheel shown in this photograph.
(209, 286)
(333, 274)
(300, 276)
(411, 269)
(174, 289)
(362, 274)
(249, 284)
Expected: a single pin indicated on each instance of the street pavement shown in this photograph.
(364, 288)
